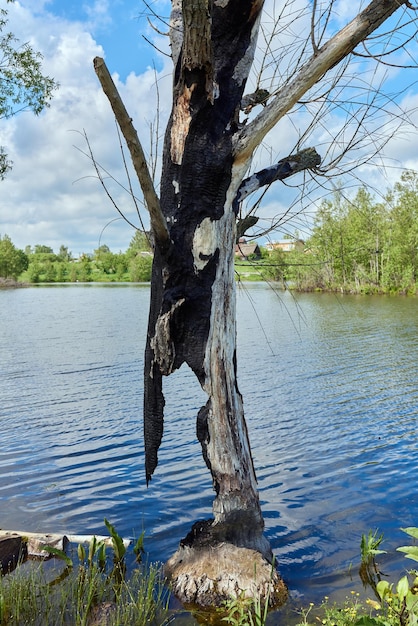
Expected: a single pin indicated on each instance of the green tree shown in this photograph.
(402, 262)
(325, 242)
(34, 272)
(139, 257)
(365, 240)
(347, 242)
(300, 271)
(140, 267)
(41, 249)
(121, 265)
(12, 260)
(50, 272)
(22, 83)
(62, 271)
(105, 260)
(84, 269)
(277, 266)
(140, 242)
(64, 254)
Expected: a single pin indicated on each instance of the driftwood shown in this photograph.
(36, 542)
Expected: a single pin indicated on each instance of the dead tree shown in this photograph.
(207, 153)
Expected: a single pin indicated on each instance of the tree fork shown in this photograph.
(193, 306)
(192, 312)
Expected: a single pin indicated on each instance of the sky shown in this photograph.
(53, 195)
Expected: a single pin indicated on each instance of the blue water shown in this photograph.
(331, 397)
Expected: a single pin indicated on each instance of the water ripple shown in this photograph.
(331, 402)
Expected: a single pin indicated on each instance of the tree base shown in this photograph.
(206, 574)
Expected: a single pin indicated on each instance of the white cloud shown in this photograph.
(98, 12)
(51, 196)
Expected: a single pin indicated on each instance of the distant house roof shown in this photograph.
(243, 249)
(286, 245)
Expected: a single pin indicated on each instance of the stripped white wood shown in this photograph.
(50, 538)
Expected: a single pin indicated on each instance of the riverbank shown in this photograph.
(10, 283)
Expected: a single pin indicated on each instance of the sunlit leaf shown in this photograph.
(60, 554)
(411, 552)
(402, 587)
(383, 588)
(412, 531)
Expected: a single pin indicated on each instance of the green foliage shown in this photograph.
(12, 260)
(105, 260)
(22, 84)
(401, 601)
(117, 541)
(396, 605)
(363, 246)
(244, 611)
(352, 612)
(140, 242)
(369, 546)
(78, 595)
(277, 265)
(411, 552)
(140, 268)
(59, 554)
(139, 546)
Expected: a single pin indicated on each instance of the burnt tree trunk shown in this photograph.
(207, 153)
(192, 318)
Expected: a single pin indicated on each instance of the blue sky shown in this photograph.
(117, 26)
(53, 197)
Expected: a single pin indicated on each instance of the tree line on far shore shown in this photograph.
(357, 245)
(41, 264)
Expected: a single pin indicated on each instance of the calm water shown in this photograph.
(331, 396)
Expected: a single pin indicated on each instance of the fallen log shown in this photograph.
(36, 542)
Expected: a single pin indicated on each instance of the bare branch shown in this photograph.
(99, 170)
(131, 191)
(331, 53)
(158, 223)
(304, 160)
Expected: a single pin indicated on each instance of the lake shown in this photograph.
(331, 397)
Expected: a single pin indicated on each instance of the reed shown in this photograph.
(87, 588)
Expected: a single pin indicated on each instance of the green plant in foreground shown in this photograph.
(352, 612)
(411, 552)
(369, 546)
(247, 611)
(28, 596)
(397, 604)
(244, 611)
(139, 546)
(117, 542)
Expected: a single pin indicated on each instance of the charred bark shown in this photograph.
(192, 313)
(197, 190)
(192, 317)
